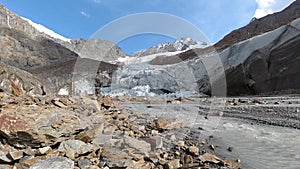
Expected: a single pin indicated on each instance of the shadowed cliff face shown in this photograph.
(18, 49)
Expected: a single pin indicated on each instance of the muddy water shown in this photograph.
(257, 146)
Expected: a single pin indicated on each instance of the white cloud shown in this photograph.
(85, 14)
(266, 7)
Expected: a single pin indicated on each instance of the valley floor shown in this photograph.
(143, 132)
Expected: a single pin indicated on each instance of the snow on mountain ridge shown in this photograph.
(163, 49)
(47, 31)
(178, 45)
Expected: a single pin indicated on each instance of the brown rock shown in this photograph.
(141, 165)
(174, 164)
(208, 157)
(16, 155)
(193, 150)
(16, 90)
(29, 161)
(59, 104)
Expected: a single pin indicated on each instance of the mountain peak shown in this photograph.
(181, 44)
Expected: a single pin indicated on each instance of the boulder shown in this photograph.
(54, 163)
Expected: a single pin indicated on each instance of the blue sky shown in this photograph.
(81, 18)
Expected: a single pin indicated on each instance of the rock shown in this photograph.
(207, 157)
(140, 145)
(16, 90)
(44, 150)
(58, 103)
(230, 149)
(16, 155)
(141, 165)
(174, 164)
(4, 158)
(193, 150)
(212, 147)
(188, 159)
(161, 124)
(84, 164)
(73, 148)
(28, 161)
(54, 163)
(122, 117)
(180, 144)
(115, 158)
(42, 126)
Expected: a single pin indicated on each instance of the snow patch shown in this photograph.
(63, 91)
(47, 31)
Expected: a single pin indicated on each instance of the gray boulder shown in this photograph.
(54, 163)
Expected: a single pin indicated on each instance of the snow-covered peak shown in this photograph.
(182, 44)
(47, 31)
(188, 43)
(163, 49)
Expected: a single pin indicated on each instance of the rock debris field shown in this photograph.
(62, 132)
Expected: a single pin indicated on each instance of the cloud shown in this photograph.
(85, 14)
(266, 7)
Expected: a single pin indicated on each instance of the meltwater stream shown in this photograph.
(257, 146)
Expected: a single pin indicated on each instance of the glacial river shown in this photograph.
(257, 146)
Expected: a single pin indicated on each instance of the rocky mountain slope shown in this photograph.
(260, 26)
(24, 51)
(252, 66)
(19, 82)
(101, 50)
(87, 48)
(267, 62)
(49, 56)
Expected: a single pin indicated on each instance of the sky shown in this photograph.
(82, 18)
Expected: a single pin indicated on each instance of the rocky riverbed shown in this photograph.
(260, 131)
(94, 132)
(142, 132)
